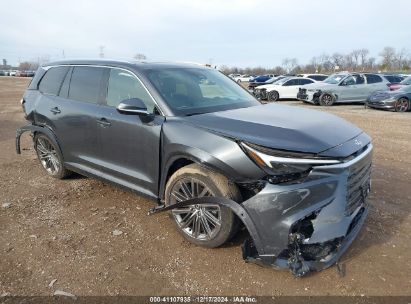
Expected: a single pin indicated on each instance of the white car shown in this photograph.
(243, 78)
(281, 89)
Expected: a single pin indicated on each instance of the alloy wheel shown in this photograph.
(201, 222)
(48, 156)
(402, 105)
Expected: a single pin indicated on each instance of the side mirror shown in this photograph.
(133, 106)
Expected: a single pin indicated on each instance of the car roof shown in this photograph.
(126, 63)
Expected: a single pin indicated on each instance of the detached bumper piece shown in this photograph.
(300, 258)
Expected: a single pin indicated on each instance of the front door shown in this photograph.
(130, 144)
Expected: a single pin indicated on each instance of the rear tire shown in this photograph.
(204, 225)
(326, 99)
(50, 157)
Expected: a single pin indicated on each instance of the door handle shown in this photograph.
(55, 110)
(103, 122)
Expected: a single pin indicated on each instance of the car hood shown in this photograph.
(281, 127)
(383, 95)
(318, 86)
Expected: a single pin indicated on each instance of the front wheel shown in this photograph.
(326, 99)
(273, 96)
(208, 225)
(402, 105)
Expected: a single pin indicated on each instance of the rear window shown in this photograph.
(393, 78)
(86, 83)
(52, 80)
(373, 78)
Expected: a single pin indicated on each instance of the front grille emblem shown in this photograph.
(358, 142)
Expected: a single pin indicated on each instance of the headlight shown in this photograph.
(284, 166)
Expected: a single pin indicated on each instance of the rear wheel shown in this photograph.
(50, 157)
(208, 225)
(326, 99)
(402, 105)
(273, 96)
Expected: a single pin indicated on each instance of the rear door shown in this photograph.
(129, 152)
(375, 83)
(77, 111)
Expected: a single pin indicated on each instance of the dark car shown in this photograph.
(208, 152)
(405, 82)
(399, 100)
(259, 80)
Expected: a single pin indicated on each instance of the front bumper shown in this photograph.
(305, 226)
(308, 96)
(382, 104)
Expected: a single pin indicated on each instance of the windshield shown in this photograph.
(334, 79)
(281, 81)
(406, 81)
(191, 91)
(274, 79)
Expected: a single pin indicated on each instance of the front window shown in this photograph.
(123, 85)
(190, 91)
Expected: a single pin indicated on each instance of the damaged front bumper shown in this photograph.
(306, 226)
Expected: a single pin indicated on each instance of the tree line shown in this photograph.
(358, 60)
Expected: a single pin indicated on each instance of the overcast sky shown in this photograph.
(231, 32)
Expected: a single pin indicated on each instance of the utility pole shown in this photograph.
(101, 55)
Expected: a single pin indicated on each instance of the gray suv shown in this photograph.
(207, 152)
(343, 87)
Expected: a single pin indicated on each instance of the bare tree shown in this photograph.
(401, 58)
(140, 56)
(388, 58)
(289, 64)
(363, 55)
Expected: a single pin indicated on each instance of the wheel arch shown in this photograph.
(35, 129)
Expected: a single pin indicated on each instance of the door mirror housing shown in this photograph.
(133, 106)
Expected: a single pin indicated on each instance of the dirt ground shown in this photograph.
(63, 230)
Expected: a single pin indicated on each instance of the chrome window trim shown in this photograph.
(110, 67)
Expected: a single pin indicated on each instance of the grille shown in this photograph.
(358, 184)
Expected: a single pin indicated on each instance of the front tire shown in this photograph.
(273, 96)
(206, 225)
(327, 99)
(402, 105)
(50, 157)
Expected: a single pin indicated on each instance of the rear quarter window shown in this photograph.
(86, 84)
(52, 80)
(373, 78)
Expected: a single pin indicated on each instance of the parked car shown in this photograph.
(234, 75)
(316, 77)
(207, 152)
(284, 88)
(259, 80)
(243, 78)
(343, 87)
(260, 93)
(3, 73)
(403, 83)
(393, 79)
(13, 73)
(398, 100)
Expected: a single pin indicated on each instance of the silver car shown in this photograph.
(343, 87)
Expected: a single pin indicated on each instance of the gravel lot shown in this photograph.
(63, 230)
